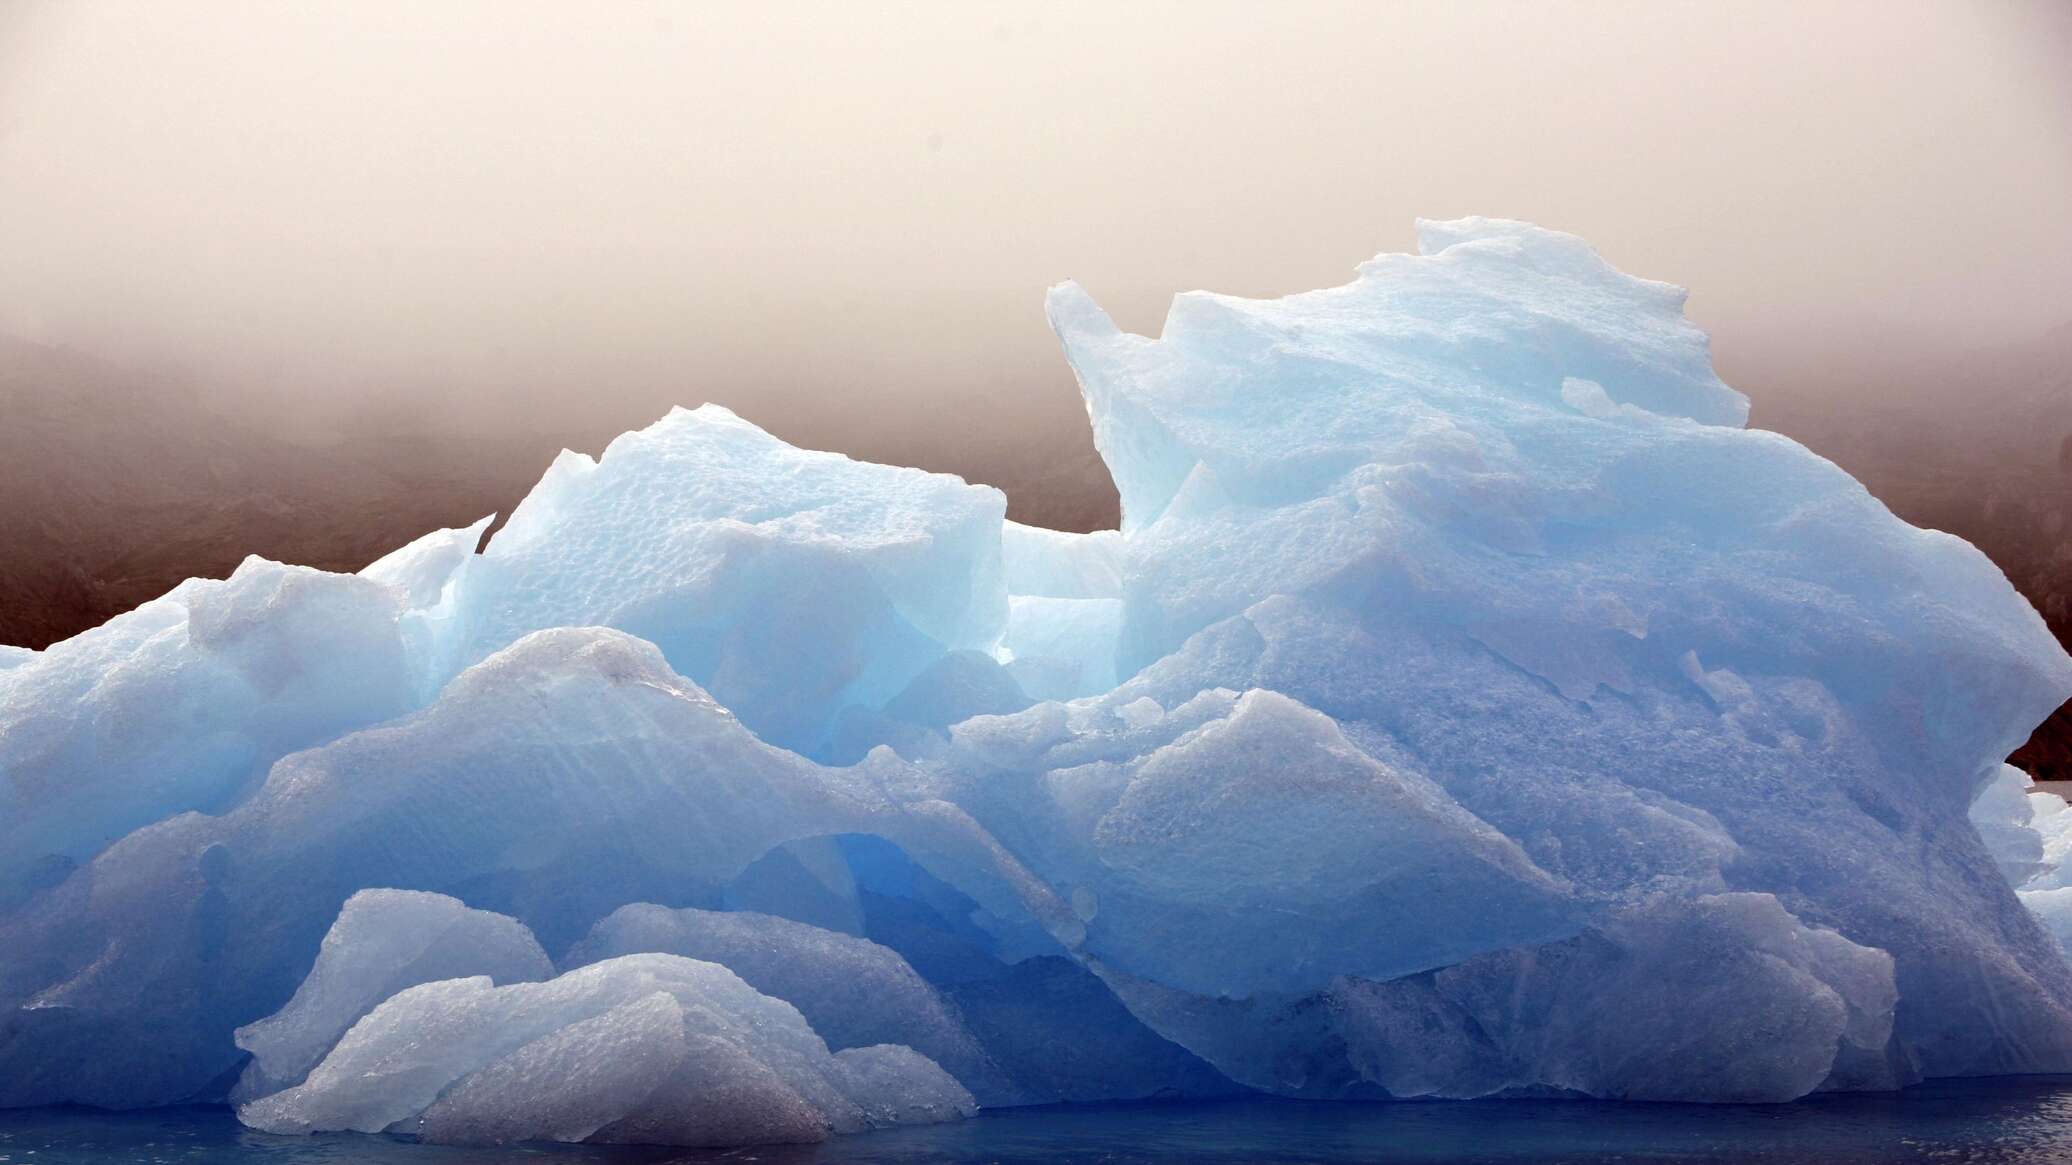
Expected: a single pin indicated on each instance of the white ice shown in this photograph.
(651, 1048)
(855, 993)
(2029, 833)
(383, 941)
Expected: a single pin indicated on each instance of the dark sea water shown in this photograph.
(2025, 1119)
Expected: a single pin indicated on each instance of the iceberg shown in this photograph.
(1468, 705)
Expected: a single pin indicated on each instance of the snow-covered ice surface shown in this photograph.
(1469, 705)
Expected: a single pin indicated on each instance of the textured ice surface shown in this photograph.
(807, 881)
(1053, 564)
(855, 993)
(427, 570)
(1254, 820)
(383, 941)
(651, 1048)
(1064, 609)
(566, 776)
(1654, 649)
(1059, 649)
(2052, 821)
(1607, 1013)
(429, 573)
(2005, 815)
(2029, 833)
(182, 704)
(1062, 1035)
(2052, 905)
(1458, 645)
(789, 583)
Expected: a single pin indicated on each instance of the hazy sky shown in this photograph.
(572, 210)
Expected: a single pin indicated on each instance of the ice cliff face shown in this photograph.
(1469, 705)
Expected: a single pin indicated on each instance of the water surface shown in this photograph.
(2016, 1120)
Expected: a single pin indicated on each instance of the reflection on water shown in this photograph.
(2023, 1119)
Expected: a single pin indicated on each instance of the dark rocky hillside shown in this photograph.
(114, 487)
